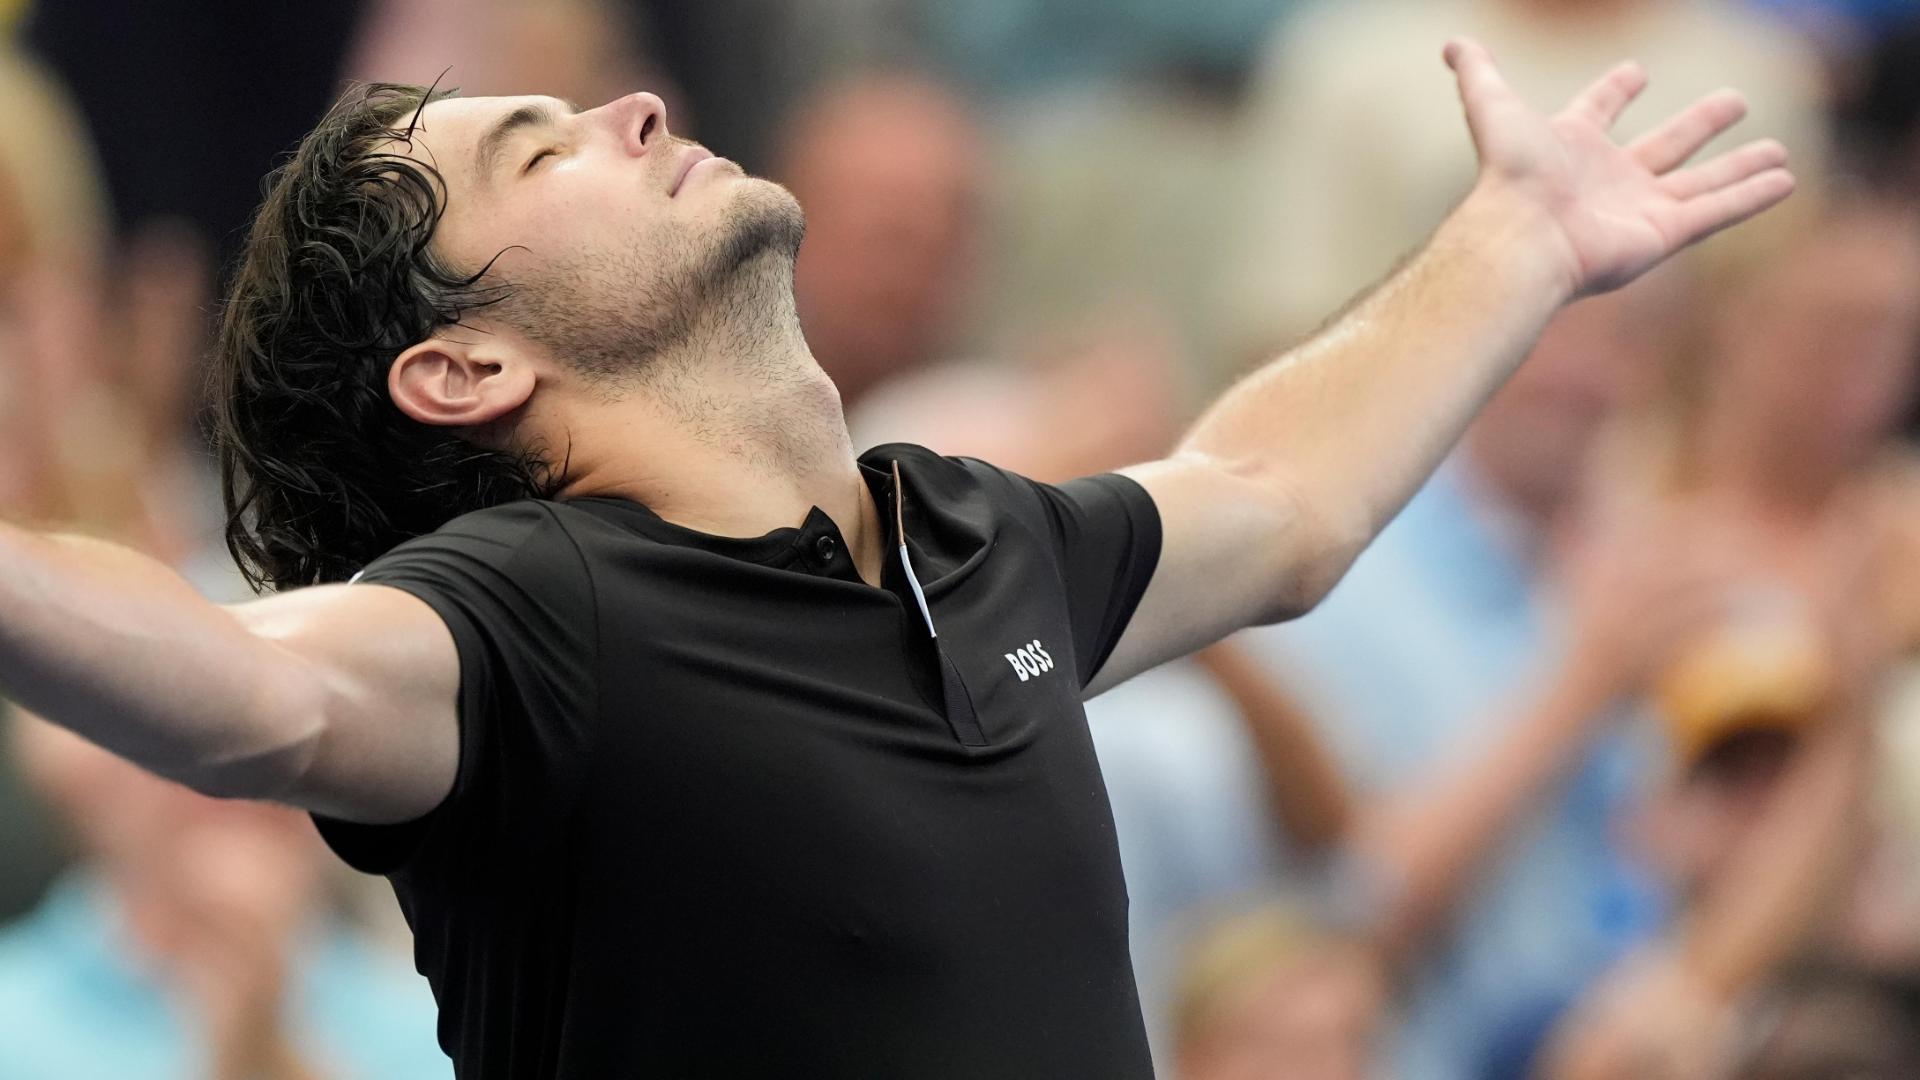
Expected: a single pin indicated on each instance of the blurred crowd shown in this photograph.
(1603, 763)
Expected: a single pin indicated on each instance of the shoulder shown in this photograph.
(929, 473)
(497, 532)
(517, 565)
(930, 465)
(962, 485)
(527, 534)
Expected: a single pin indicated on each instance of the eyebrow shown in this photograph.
(487, 156)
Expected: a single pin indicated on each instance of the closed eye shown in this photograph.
(535, 159)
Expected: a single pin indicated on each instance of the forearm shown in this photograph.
(1306, 789)
(1430, 842)
(1347, 426)
(120, 649)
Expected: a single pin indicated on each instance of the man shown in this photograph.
(891, 172)
(665, 783)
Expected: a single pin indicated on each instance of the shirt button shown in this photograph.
(824, 547)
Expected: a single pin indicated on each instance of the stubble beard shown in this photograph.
(619, 315)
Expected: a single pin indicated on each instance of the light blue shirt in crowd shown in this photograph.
(73, 1005)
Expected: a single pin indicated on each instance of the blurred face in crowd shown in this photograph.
(1812, 363)
(1694, 826)
(1533, 439)
(1312, 1017)
(613, 234)
(888, 169)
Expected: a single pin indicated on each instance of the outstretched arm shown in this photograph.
(1286, 478)
(337, 699)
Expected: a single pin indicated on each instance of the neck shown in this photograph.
(734, 431)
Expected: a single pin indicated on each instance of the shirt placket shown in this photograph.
(962, 718)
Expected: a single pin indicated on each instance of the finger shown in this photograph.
(1474, 65)
(1482, 87)
(1682, 136)
(1608, 97)
(1704, 215)
(1728, 168)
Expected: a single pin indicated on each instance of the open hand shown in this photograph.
(1612, 212)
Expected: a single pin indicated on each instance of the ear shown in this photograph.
(456, 384)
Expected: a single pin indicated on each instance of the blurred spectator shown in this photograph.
(1015, 48)
(190, 101)
(1354, 147)
(1879, 120)
(191, 942)
(743, 64)
(1110, 201)
(1806, 361)
(1416, 857)
(102, 377)
(1111, 142)
(1783, 416)
(52, 210)
(584, 51)
(52, 221)
(1880, 114)
(1466, 671)
(888, 167)
(1263, 995)
(1819, 354)
(1801, 362)
(1759, 827)
(1850, 20)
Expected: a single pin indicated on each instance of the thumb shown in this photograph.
(1481, 85)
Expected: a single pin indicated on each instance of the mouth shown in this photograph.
(693, 156)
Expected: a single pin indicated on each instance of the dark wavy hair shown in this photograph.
(320, 472)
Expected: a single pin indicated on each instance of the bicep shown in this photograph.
(381, 675)
(1224, 544)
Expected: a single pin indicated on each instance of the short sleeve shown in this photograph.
(516, 595)
(1104, 532)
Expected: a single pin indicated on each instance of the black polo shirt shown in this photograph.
(725, 810)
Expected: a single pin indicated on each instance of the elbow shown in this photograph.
(1315, 553)
(1313, 580)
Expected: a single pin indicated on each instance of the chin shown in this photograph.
(761, 218)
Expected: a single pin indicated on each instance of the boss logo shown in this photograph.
(1030, 660)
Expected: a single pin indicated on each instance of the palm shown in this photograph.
(1619, 209)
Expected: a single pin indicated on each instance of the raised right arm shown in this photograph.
(336, 699)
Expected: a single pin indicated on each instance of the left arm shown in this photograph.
(1282, 483)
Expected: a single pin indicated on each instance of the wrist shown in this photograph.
(1521, 237)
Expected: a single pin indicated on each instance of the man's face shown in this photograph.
(1534, 438)
(1815, 362)
(610, 231)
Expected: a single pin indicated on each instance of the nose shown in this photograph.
(642, 120)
